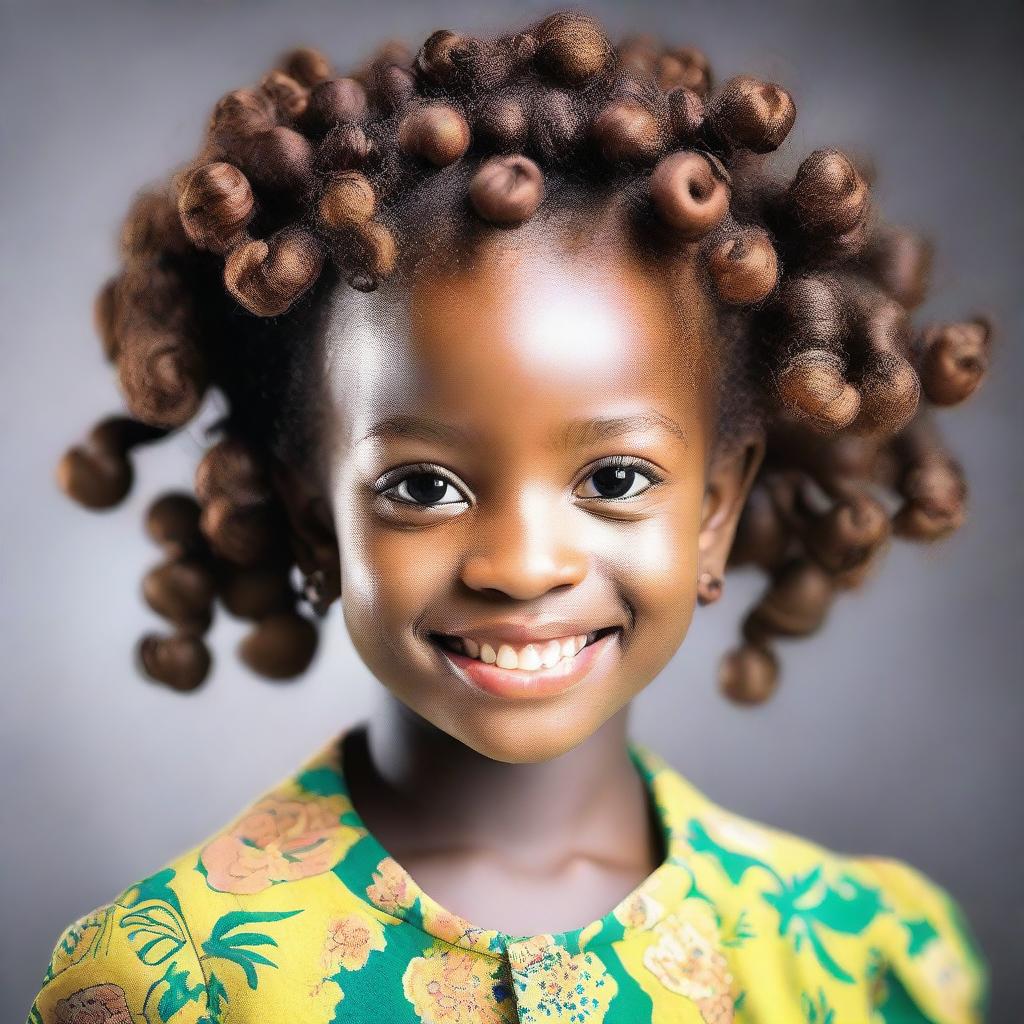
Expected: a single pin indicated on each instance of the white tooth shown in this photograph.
(581, 642)
(550, 654)
(529, 658)
(507, 657)
(487, 654)
(471, 647)
(568, 647)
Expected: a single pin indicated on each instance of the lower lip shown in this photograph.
(517, 684)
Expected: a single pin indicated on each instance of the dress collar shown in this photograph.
(375, 877)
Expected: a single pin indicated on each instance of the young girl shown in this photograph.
(521, 343)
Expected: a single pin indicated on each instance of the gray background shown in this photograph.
(897, 732)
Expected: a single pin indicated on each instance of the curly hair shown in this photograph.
(309, 180)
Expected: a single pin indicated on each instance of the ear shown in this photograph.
(314, 542)
(730, 477)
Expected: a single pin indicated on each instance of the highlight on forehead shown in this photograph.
(546, 266)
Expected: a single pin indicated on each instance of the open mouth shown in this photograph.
(544, 654)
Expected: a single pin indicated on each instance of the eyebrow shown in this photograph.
(576, 432)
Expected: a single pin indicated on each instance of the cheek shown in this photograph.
(389, 576)
(655, 569)
(656, 561)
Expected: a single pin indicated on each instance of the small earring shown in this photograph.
(314, 591)
(709, 588)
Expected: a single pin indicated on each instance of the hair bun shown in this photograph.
(745, 267)
(683, 67)
(172, 521)
(256, 591)
(507, 189)
(181, 590)
(334, 102)
(748, 675)
(347, 199)
(688, 194)
(279, 159)
(290, 98)
(571, 47)
(241, 113)
(626, 131)
(828, 194)
(444, 59)
(794, 605)
(812, 384)
(900, 262)
(180, 661)
(151, 229)
(848, 534)
(934, 493)
(281, 646)
(266, 277)
(375, 256)
(215, 204)
(435, 132)
(307, 66)
(752, 114)
(953, 360)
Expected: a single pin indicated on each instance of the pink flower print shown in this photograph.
(279, 839)
(454, 986)
(450, 927)
(350, 940)
(392, 888)
(685, 959)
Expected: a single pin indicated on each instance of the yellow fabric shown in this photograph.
(295, 914)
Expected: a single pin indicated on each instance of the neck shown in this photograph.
(419, 790)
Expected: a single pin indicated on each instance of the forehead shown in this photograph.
(525, 335)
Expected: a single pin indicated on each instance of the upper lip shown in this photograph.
(519, 633)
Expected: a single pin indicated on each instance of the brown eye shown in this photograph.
(615, 481)
(425, 488)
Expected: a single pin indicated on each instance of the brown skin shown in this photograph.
(535, 352)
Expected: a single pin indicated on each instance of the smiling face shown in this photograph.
(517, 458)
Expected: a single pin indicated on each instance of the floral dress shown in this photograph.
(295, 914)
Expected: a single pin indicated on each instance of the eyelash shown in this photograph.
(391, 482)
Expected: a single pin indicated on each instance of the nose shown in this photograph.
(523, 550)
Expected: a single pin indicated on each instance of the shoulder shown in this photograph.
(173, 946)
(132, 956)
(933, 957)
(212, 923)
(853, 921)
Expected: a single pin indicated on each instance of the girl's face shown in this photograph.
(518, 464)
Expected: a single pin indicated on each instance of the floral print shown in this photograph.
(453, 986)
(392, 887)
(638, 909)
(277, 841)
(350, 939)
(296, 912)
(686, 959)
(552, 984)
(98, 1004)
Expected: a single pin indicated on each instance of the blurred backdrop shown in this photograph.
(897, 731)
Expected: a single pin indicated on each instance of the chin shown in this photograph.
(524, 735)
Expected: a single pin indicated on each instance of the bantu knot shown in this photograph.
(688, 194)
(507, 189)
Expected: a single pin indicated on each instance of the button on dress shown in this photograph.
(295, 914)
